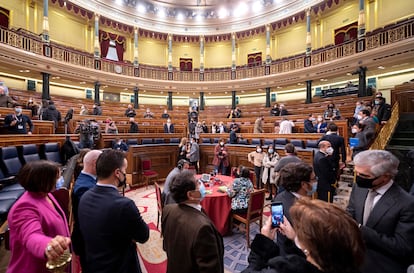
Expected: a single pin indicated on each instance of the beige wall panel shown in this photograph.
(337, 19)
(149, 101)
(284, 97)
(212, 101)
(66, 31)
(180, 101)
(258, 98)
(152, 52)
(185, 50)
(390, 11)
(291, 41)
(65, 91)
(388, 82)
(14, 83)
(249, 46)
(145, 101)
(217, 55)
(17, 10)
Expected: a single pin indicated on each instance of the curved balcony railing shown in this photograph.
(380, 37)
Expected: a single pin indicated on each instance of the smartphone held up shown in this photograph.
(277, 214)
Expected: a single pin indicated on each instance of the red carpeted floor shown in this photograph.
(152, 257)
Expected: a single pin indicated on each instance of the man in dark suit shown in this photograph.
(110, 223)
(85, 181)
(133, 127)
(364, 117)
(384, 211)
(325, 171)
(169, 127)
(308, 124)
(338, 145)
(192, 243)
(297, 180)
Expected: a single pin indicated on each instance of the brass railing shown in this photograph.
(32, 43)
(384, 135)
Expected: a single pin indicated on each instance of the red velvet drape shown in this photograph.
(104, 48)
(120, 41)
(186, 64)
(4, 17)
(254, 59)
(346, 33)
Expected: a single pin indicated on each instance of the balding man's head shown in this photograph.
(89, 161)
(324, 144)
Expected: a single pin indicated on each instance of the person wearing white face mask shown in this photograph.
(320, 126)
(325, 171)
(299, 182)
(338, 157)
(328, 237)
(270, 160)
(358, 107)
(190, 239)
(256, 158)
(221, 157)
(358, 131)
(17, 123)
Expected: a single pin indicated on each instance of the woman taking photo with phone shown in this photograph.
(328, 237)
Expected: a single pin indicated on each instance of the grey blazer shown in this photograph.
(194, 153)
(389, 231)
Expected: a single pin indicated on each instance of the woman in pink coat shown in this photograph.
(38, 227)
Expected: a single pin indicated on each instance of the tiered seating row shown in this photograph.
(12, 158)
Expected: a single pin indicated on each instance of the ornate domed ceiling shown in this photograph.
(197, 17)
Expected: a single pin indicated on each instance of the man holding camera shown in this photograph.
(88, 133)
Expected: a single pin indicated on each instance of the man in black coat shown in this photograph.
(52, 114)
(338, 145)
(111, 224)
(133, 128)
(383, 110)
(308, 124)
(130, 111)
(324, 171)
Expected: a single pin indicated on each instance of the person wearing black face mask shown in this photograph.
(332, 113)
(384, 211)
(111, 224)
(383, 110)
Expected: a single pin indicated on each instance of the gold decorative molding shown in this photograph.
(386, 131)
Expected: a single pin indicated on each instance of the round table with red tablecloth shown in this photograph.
(217, 205)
